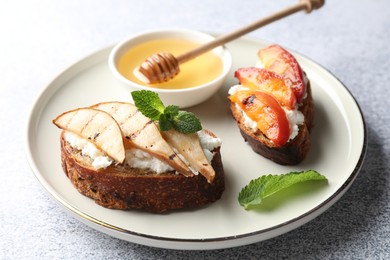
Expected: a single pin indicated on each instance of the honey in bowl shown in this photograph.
(201, 70)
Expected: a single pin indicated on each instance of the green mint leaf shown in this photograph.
(171, 111)
(148, 103)
(166, 119)
(151, 106)
(186, 122)
(164, 123)
(258, 189)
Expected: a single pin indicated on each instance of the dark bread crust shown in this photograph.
(120, 187)
(291, 153)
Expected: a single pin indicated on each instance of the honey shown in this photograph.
(195, 72)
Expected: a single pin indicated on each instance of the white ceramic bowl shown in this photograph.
(182, 97)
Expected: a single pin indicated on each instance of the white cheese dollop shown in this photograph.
(100, 160)
(295, 118)
(137, 158)
(208, 143)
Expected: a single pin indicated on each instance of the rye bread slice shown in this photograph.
(123, 187)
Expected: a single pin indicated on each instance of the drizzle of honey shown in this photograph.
(195, 72)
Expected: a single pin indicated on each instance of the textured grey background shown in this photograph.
(41, 38)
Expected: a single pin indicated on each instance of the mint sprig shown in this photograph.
(149, 103)
(259, 189)
(151, 106)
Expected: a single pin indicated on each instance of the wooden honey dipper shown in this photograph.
(163, 66)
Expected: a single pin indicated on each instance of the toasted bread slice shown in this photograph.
(122, 187)
(295, 150)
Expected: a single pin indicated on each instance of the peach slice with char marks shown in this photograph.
(98, 127)
(265, 110)
(280, 61)
(268, 82)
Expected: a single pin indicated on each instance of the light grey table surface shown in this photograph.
(41, 38)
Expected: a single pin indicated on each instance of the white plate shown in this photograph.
(338, 149)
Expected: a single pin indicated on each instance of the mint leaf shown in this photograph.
(186, 122)
(166, 119)
(258, 189)
(171, 111)
(164, 123)
(148, 103)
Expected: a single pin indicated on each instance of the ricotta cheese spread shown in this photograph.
(100, 160)
(137, 158)
(208, 143)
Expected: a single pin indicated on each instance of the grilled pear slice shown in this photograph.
(188, 145)
(143, 133)
(98, 127)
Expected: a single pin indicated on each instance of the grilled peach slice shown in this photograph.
(280, 61)
(268, 82)
(265, 110)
